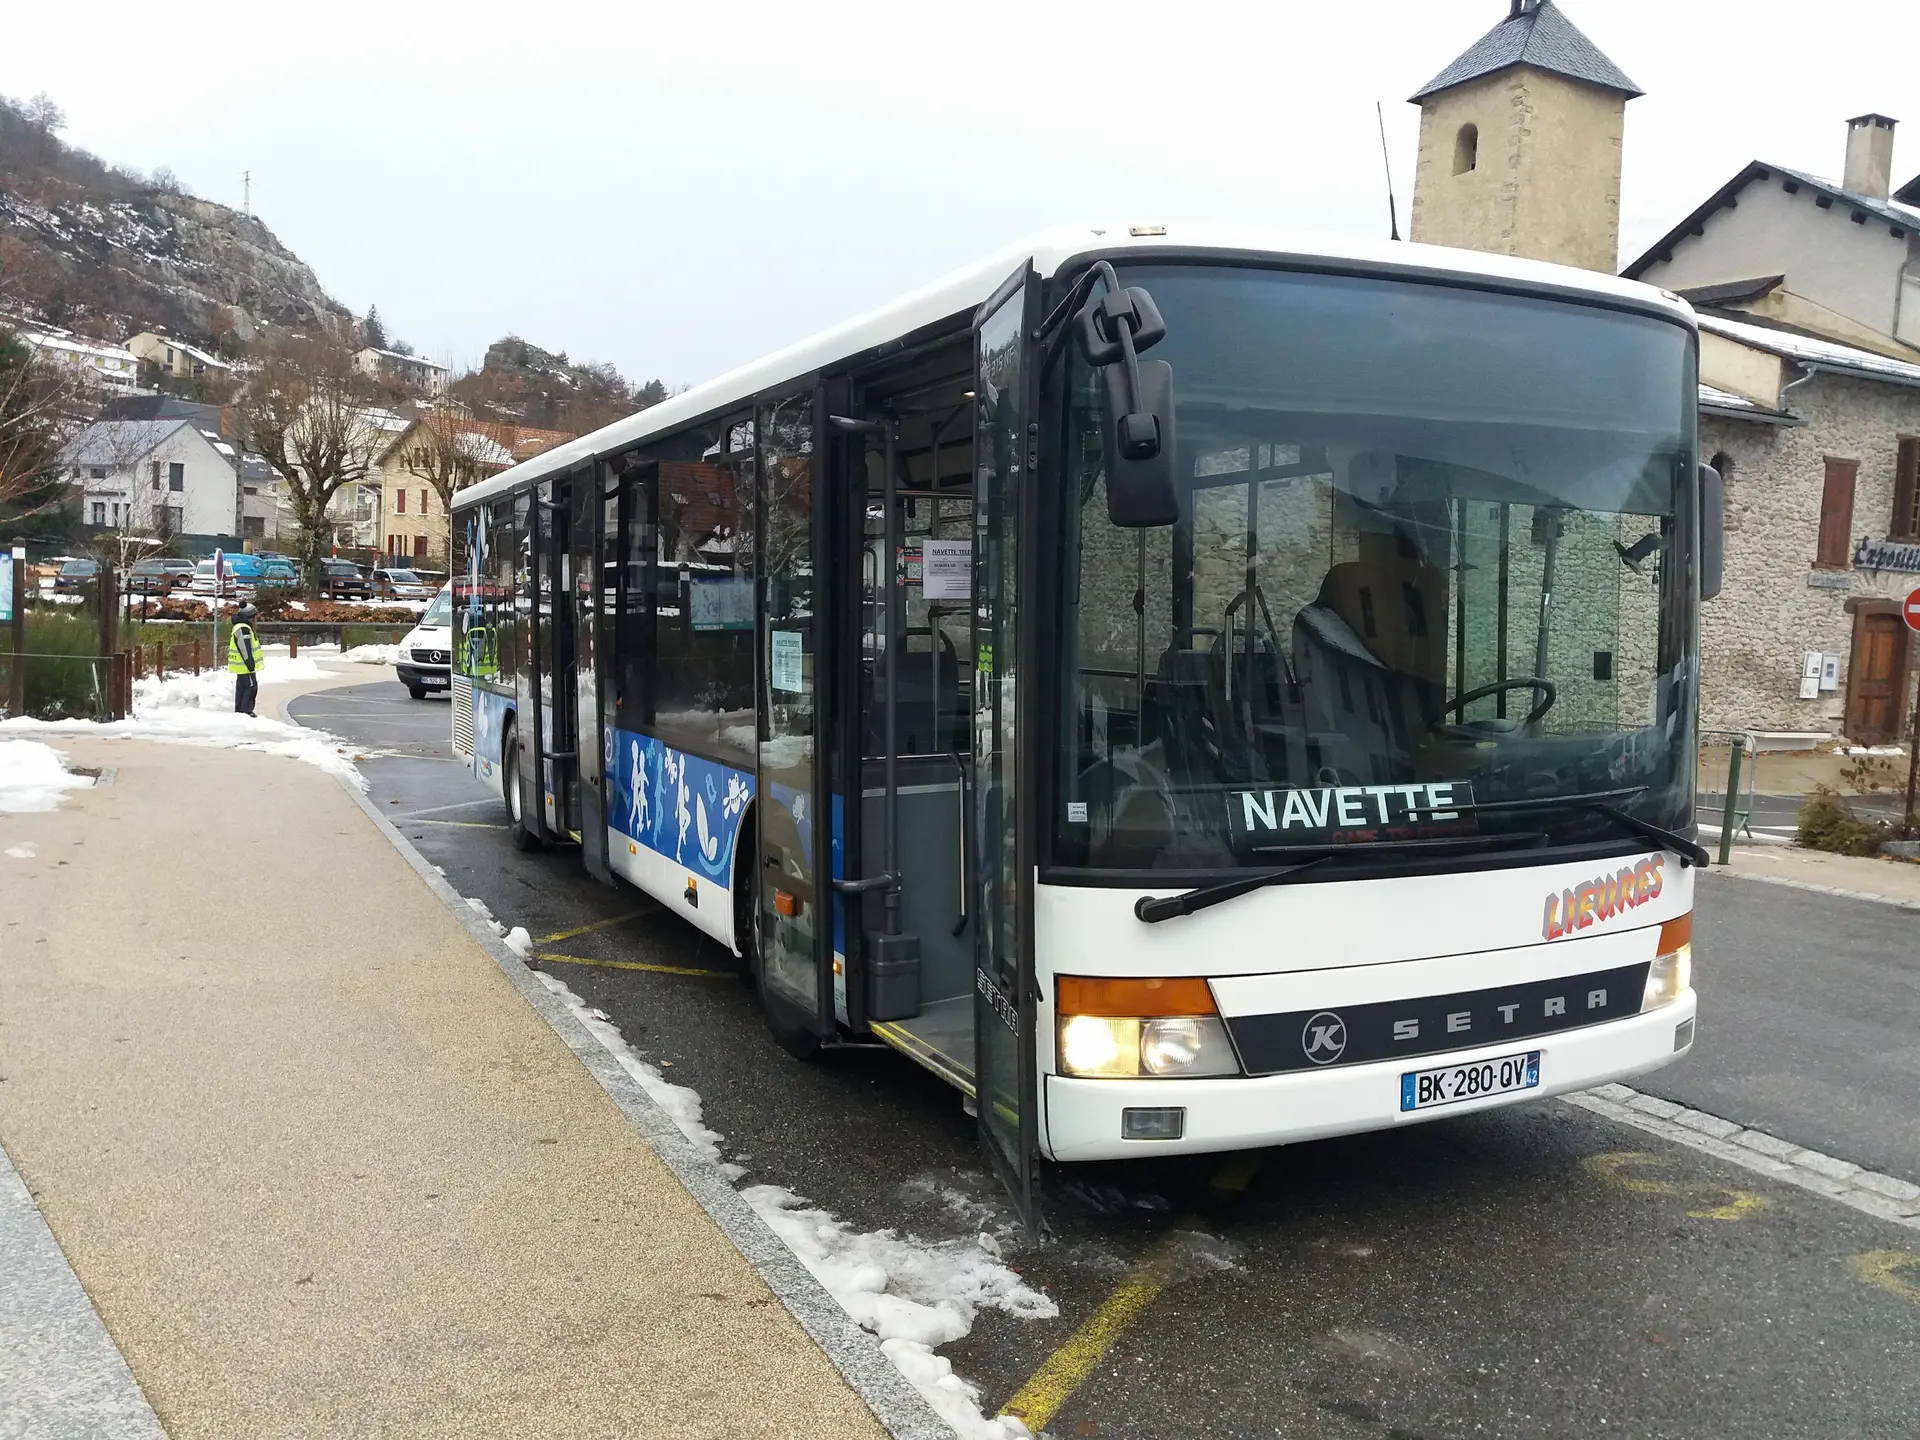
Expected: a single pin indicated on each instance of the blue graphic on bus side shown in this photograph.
(490, 712)
(677, 805)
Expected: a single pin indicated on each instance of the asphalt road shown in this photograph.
(1536, 1271)
(1778, 816)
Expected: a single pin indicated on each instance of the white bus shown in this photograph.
(1189, 691)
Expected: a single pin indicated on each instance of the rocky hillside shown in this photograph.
(519, 381)
(95, 249)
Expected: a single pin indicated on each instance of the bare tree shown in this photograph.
(304, 412)
(41, 405)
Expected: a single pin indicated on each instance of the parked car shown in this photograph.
(400, 585)
(344, 580)
(242, 576)
(278, 573)
(159, 575)
(424, 660)
(76, 574)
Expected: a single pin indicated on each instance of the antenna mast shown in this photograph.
(1393, 211)
(246, 188)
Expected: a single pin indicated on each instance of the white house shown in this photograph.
(109, 366)
(154, 477)
(410, 370)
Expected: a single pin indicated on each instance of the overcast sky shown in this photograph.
(680, 188)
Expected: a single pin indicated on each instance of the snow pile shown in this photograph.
(518, 940)
(372, 654)
(213, 689)
(32, 777)
(913, 1294)
(189, 709)
(21, 851)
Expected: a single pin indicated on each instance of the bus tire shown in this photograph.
(518, 830)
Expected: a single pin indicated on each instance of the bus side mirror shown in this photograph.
(1138, 421)
(1713, 531)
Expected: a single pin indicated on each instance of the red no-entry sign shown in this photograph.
(1911, 609)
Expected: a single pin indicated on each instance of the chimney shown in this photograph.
(1869, 156)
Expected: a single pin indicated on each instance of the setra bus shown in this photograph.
(1189, 691)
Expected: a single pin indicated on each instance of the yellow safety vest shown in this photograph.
(237, 661)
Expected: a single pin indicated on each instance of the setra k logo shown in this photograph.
(1324, 1038)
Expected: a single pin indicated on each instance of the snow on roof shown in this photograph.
(118, 442)
(1810, 351)
(961, 291)
(1710, 396)
(398, 358)
(484, 449)
(51, 340)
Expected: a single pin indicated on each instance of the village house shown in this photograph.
(174, 357)
(412, 371)
(109, 367)
(413, 519)
(165, 478)
(1809, 296)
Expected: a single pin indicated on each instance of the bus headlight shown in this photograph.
(1671, 974)
(1129, 1028)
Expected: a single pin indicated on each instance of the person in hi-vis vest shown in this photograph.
(243, 659)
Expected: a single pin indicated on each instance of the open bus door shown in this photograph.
(1005, 452)
(556, 758)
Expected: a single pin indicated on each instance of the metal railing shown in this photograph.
(1734, 815)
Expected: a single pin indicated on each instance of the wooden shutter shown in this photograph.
(1905, 524)
(1836, 514)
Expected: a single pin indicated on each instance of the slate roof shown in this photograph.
(1541, 37)
(118, 443)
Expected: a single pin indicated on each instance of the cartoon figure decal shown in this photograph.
(665, 799)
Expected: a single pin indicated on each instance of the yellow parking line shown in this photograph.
(1050, 1387)
(624, 965)
(596, 925)
(1881, 1269)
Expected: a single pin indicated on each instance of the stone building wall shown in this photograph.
(1774, 604)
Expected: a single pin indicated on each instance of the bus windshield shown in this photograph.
(1434, 558)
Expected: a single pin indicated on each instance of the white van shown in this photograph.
(424, 660)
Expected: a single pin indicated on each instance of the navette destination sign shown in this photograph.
(1350, 811)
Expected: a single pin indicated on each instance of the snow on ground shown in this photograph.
(913, 1294)
(189, 709)
(32, 778)
(372, 654)
(20, 852)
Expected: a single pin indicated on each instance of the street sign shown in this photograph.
(1911, 609)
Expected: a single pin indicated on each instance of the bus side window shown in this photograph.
(634, 649)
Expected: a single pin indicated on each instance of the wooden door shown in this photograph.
(1876, 678)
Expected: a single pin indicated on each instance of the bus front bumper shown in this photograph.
(1083, 1117)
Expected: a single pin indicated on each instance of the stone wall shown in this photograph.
(1768, 612)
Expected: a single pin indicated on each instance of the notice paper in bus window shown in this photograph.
(785, 670)
(947, 570)
(721, 602)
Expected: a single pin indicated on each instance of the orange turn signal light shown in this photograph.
(1675, 933)
(785, 904)
(1089, 995)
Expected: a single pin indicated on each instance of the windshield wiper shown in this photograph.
(1600, 802)
(1152, 910)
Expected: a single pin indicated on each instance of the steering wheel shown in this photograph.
(1524, 682)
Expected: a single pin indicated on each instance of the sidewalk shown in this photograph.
(1883, 879)
(319, 1166)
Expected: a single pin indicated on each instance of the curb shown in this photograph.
(1816, 889)
(855, 1353)
(1885, 1197)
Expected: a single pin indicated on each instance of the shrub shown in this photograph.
(63, 677)
(1827, 822)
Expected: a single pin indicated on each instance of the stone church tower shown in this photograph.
(1520, 144)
